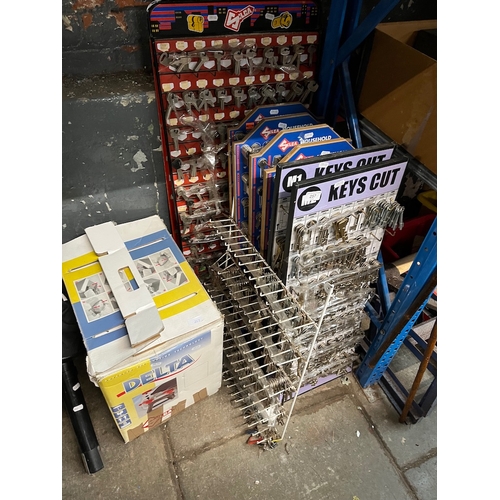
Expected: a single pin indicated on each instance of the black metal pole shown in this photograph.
(80, 418)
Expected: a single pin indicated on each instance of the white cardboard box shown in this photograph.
(143, 315)
(143, 394)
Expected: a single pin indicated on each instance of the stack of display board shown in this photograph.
(317, 209)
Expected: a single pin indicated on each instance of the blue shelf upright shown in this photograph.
(408, 304)
(343, 36)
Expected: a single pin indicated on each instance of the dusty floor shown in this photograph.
(343, 443)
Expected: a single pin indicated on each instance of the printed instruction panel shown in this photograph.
(160, 271)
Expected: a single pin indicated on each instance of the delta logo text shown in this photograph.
(157, 373)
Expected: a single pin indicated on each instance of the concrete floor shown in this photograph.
(342, 443)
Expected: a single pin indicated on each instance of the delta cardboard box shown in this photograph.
(153, 335)
(146, 393)
(399, 94)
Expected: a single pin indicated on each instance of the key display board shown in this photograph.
(212, 64)
(316, 168)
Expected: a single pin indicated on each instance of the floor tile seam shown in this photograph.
(317, 405)
(190, 455)
(378, 436)
(209, 446)
(419, 461)
(172, 465)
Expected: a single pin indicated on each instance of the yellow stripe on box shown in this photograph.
(77, 269)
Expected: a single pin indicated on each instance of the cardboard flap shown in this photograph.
(142, 319)
(138, 324)
(104, 238)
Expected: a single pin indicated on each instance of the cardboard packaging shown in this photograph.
(153, 335)
(399, 93)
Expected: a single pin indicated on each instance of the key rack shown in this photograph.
(212, 63)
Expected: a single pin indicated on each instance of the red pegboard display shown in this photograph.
(212, 64)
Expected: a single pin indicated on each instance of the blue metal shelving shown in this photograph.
(414, 293)
(394, 321)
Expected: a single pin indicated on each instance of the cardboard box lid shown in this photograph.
(180, 300)
(142, 320)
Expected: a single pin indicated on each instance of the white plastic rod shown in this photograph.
(313, 343)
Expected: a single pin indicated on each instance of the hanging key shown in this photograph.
(311, 226)
(193, 171)
(295, 91)
(238, 95)
(250, 54)
(218, 56)
(244, 204)
(262, 165)
(276, 160)
(300, 231)
(244, 179)
(285, 56)
(310, 50)
(341, 228)
(175, 60)
(183, 64)
(200, 193)
(311, 87)
(267, 92)
(207, 99)
(280, 92)
(298, 50)
(237, 57)
(222, 132)
(165, 59)
(189, 99)
(401, 219)
(222, 160)
(173, 100)
(182, 193)
(270, 58)
(259, 194)
(294, 267)
(221, 97)
(253, 97)
(174, 134)
(203, 59)
(177, 165)
(322, 238)
(390, 219)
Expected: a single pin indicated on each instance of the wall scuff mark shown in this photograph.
(139, 159)
(87, 20)
(120, 20)
(131, 3)
(87, 4)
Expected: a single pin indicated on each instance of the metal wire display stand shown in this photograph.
(269, 338)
